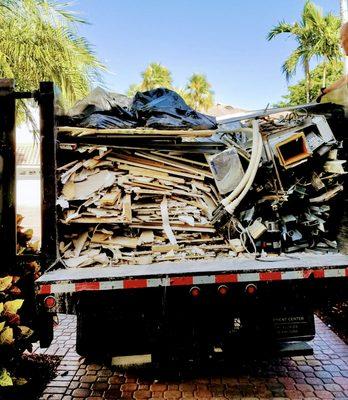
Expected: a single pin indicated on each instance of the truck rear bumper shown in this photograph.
(161, 320)
(188, 273)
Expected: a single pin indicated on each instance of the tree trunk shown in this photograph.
(324, 73)
(308, 80)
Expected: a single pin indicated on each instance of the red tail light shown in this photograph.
(195, 291)
(250, 289)
(223, 290)
(50, 302)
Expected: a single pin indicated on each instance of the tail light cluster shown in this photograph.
(250, 289)
(222, 290)
(50, 302)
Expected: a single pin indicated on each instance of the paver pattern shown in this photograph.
(321, 376)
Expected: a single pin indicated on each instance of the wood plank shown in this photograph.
(147, 237)
(199, 171)
(78, 131)
(151, 185)
(120, 241)
(167, 170)
(95, 220)
(182, 159)
(127, 208)
(182, 228)
(189, 240)
(164, 248)
(139, 171)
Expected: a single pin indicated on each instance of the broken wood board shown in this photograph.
(147, 166)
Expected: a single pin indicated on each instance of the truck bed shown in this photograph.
(217, 270)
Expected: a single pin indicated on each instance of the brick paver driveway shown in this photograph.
(321, 376)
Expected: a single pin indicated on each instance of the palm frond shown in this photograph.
(290, 65)
(282, 27)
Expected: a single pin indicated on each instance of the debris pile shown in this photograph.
(290, 204)
(138, 196)
(137, 207)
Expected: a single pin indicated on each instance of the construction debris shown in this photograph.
(140, 203)
(135, 207)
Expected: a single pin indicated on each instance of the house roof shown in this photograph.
(28, 154)
(219, 109)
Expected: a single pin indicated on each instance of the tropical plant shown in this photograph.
(154, 76)
(316, 35)
(133, 88)
(326, 44)
(198, 93)
(297, 93)
(39, 41)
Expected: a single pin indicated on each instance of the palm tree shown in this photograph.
(156, 75)
(198, 92)
(303, 33)
(326, 37)
(39, 41)
(316, 35)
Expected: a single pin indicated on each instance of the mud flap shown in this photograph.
(45, 328)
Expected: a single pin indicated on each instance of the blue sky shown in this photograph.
(224, 39)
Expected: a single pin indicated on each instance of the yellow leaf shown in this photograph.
(20, 381)
(6, 336)
(2, 325)
(35, 245)
(5, 379)
(13, 306)
(25, 331)
(1, 307)
(5, 283)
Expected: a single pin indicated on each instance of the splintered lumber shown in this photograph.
(150, 173)
(183, 228)
(164, 248)
(194, 170)
(117, 241)
(83, 190)
(147, 237)
(127, 208)
(110, 199)
(182, 159)
(155, 168)
(136, 207)
(165, 218)
(96, 220)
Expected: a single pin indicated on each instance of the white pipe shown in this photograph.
(230, 208)
(246, 176)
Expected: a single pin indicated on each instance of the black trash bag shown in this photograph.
(99, 100)
(117, 117)
(164, 109)
(100, 109)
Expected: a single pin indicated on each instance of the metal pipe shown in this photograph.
(230, 208)
(256, 144)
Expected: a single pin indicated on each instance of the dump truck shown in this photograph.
(182, 309)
